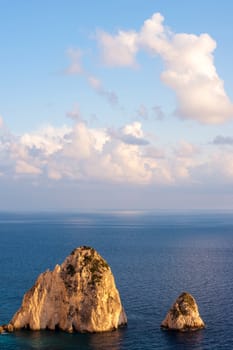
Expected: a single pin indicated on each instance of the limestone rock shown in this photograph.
(6, 328)
(183, 315)
(78, 295)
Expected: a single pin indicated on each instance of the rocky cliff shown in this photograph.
(78, 295)
(183, 315)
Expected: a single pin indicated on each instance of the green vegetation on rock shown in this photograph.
(70, 270)
(187, 298)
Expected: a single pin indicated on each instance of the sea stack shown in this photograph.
(183, 315)
(78, 295)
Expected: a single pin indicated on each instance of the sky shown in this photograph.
(116, 105)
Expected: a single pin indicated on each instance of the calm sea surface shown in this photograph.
(154, 257)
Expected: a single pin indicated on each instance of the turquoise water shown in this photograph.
(154, 257)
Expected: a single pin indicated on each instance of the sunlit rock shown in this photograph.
(79, 295)
(183, 315)
(6, 328)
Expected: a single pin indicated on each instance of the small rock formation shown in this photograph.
(6, 328)
(78, 295)
(183, 314)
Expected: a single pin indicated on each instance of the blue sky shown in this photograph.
(116, 105)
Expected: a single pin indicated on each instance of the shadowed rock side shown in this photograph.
(183, 315)
(6, 328)
(79, 295)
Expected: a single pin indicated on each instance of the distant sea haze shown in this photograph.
(154, 257)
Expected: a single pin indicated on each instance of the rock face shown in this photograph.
(79, 295)
(183, 314)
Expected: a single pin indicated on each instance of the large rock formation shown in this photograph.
(79, 295)
(183, 314)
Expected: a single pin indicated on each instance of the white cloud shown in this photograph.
(79, 153)
(133, 167)
(192, 75)
(134, 129)
(118, 50)
(48, 140)
(126, 155)
(31, 153)
(83, 142)
(189, 67)
(131, 134)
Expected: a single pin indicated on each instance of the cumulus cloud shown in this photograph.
(48, 140)
(30, 153)
(118, 50)
(189, 67)
(192, 75)
(131, 134)
(134, 129)
(79, 153)
(126, 155)
(94, 154)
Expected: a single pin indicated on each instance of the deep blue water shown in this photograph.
(154, 257)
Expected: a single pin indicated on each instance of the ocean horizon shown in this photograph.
(154, 256)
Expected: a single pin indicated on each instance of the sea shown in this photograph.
(154, 256)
